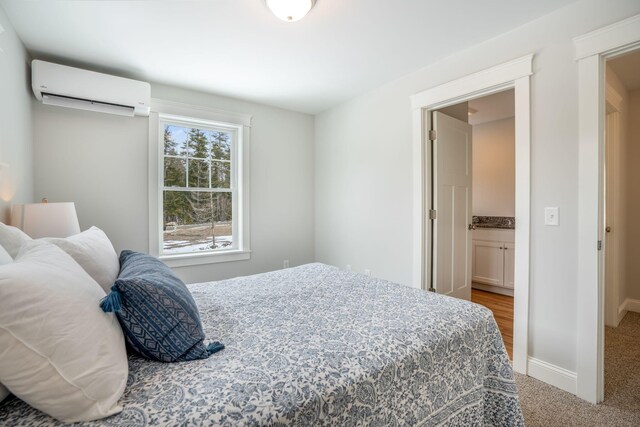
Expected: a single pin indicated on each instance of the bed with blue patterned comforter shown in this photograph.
(316, 346)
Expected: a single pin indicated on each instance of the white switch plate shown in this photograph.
(285, 264)
(551, 216)
(367, 272)
(348, 267)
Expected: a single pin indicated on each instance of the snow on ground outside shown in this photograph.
(185, 246)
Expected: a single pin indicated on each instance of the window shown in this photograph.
(201, 176)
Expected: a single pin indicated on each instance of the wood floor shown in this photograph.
(502, 308)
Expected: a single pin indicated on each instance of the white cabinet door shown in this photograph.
(488, 262)
(509, 265)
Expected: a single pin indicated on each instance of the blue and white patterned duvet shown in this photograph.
(315, 346)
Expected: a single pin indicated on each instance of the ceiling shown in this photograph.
(238, 48)
(627, 67)
(494, 107)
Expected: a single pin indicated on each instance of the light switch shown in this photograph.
(551, 216)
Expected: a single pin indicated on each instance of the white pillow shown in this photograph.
(93, 250)
(5, 258)
(60, 352)
(12, 239)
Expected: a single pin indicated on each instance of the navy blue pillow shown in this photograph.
(158, 315)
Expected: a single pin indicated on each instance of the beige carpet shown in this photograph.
(545, 405)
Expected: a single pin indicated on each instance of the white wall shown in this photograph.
(632, 196)
(16, 140)
(494, 168)
(100, 162)
(364, 168)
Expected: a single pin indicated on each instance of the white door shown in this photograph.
(488, 262)
(611, 266)
(452, 203)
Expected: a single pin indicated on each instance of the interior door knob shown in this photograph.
(608, 229)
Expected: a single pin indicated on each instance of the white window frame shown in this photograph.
(163, 112)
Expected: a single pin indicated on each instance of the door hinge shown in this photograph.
(599, 245)
(432, 135)
(432, 214)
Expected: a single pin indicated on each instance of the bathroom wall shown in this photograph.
(494, 168)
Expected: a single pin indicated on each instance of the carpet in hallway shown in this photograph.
(545, 405)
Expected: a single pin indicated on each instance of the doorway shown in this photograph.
(592, 49)
(473, 205)
(621, 272)
(511, 75)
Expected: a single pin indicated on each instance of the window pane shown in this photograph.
(220, 145)
(198, 143)
(175, 140)
(194, 142)
(196, 221)
(175, 172)
(198, 173)
(220, 174)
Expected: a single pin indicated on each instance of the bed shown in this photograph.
(314, 345)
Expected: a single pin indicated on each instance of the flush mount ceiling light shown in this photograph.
(290, 10)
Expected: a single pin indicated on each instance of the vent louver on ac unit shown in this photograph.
(83, 104)
(63, 86)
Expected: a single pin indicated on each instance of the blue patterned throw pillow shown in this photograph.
(158, 315)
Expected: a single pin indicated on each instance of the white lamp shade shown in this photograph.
(46, 219)
(290, 10)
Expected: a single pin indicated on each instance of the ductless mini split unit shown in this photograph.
(63, 86)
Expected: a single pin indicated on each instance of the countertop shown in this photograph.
(495, 222)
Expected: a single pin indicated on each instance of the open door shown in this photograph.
(611, 256)
(451, 206)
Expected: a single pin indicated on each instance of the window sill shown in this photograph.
(185, 260)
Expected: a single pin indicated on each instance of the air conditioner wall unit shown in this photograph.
(55, 84)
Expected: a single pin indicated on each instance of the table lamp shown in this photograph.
(46, 219)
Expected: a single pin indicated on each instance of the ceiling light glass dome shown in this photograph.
(290, 10)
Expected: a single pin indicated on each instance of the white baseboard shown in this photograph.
(491, 288)
(554, 375)
(629, 305)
